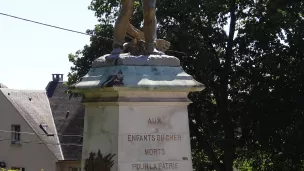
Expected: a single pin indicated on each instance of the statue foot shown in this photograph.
(154, 51)
(114, 54)
(116, 51)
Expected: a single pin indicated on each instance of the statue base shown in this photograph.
(136, 60)
(136, 109)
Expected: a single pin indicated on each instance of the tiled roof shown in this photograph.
(68, 113)
(34, 107)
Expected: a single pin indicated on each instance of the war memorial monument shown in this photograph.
(136, 116)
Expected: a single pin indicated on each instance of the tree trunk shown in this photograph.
(228, 147)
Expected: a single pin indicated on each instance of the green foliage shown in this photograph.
(82, 59)
(251, 112)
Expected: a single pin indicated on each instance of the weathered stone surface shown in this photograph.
(130, 60)
(151, 136)
(155, 123)
(136, 108)
(139, 77)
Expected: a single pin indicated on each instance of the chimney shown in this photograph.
(58, 77)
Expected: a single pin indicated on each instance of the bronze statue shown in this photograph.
(137, 35)
(123, 26)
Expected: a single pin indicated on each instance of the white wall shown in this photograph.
(31, 156)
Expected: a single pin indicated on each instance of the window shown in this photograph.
(74, 169)
(18, 168)
(15, 134)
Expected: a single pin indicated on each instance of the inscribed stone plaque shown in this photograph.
(154, 138)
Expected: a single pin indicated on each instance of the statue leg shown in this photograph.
(150, 25)
(122, 24)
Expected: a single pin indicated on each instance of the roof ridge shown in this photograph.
(53, 122)
(68, 113)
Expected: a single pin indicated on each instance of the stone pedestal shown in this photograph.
(136, 108)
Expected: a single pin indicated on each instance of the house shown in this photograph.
(28, 136)
(68, 113)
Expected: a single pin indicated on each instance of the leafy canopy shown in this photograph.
(251, 112)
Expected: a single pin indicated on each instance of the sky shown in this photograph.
(31, 53)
